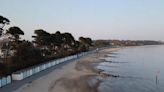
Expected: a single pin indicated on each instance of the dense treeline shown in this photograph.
(106, 43)
(19, 54)
(16, 54)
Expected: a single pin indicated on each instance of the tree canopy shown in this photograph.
(15, 32)
(45, 46)
(42, 38)
(3, 22)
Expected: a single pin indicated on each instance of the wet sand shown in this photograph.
(78, 75)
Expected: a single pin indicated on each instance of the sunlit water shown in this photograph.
(141, 69)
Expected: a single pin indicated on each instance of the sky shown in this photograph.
(98, 19)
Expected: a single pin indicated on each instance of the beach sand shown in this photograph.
(78, 75)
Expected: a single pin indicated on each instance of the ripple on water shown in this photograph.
(138, 74)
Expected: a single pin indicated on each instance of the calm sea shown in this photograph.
(141, 69)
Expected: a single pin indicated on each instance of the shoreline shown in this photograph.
(84, 77)
(76, 76)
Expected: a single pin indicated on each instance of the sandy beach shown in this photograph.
(78, 75)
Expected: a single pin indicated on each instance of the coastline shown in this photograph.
(77, 76)
(84, 77)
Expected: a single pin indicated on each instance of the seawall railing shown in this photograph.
(25, 73)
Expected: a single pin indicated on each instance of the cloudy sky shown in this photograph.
(98, 19)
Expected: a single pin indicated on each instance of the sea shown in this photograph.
(136, 69)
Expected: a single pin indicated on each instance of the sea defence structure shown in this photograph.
(25, 73)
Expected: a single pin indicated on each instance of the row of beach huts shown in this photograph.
(22, 74)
